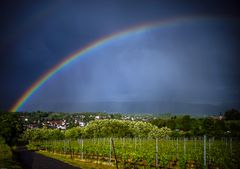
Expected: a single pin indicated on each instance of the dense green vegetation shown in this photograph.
(6, 157)
(100, 129)
(226, 124)
(137, 143)
(147, 152)
(189, 127)
(10, 126)
(10, 130)
(232, 114)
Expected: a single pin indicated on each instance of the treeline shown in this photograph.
(227, 125)
(100, 129)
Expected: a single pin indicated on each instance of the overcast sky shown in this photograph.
(196, 61)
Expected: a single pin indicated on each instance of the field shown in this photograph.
(149, 153)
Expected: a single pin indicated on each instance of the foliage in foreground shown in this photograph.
(6, 157)
(10, 127)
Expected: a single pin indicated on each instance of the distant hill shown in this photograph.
(134, 107)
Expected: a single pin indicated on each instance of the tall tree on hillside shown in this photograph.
(10, 127)
(232, 115)
(186, 123)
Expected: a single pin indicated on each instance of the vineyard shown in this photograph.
(149, 153)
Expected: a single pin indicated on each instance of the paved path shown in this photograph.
(32, 160)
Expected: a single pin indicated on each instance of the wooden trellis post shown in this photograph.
(204, 152)
(156, 160)
(115, 155)
(110, 150)
(82, 150)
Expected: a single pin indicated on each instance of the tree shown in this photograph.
(75, 132)
(208, 126)
(160, 133)
(232, 115)
(171, 124)
(186, 123)
(158, 122)
(197, 127)
(219, 128)
(42, 134)
(10, 127)
(122, 128)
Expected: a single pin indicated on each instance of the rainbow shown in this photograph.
(95, 44)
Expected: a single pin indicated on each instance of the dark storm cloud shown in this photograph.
(37, 35)
(189, 63)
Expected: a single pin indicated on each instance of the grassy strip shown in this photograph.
(84, 164)
(6, 157)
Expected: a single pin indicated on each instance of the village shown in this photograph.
(64, 121)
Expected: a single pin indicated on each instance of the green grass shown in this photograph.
(76, 162)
